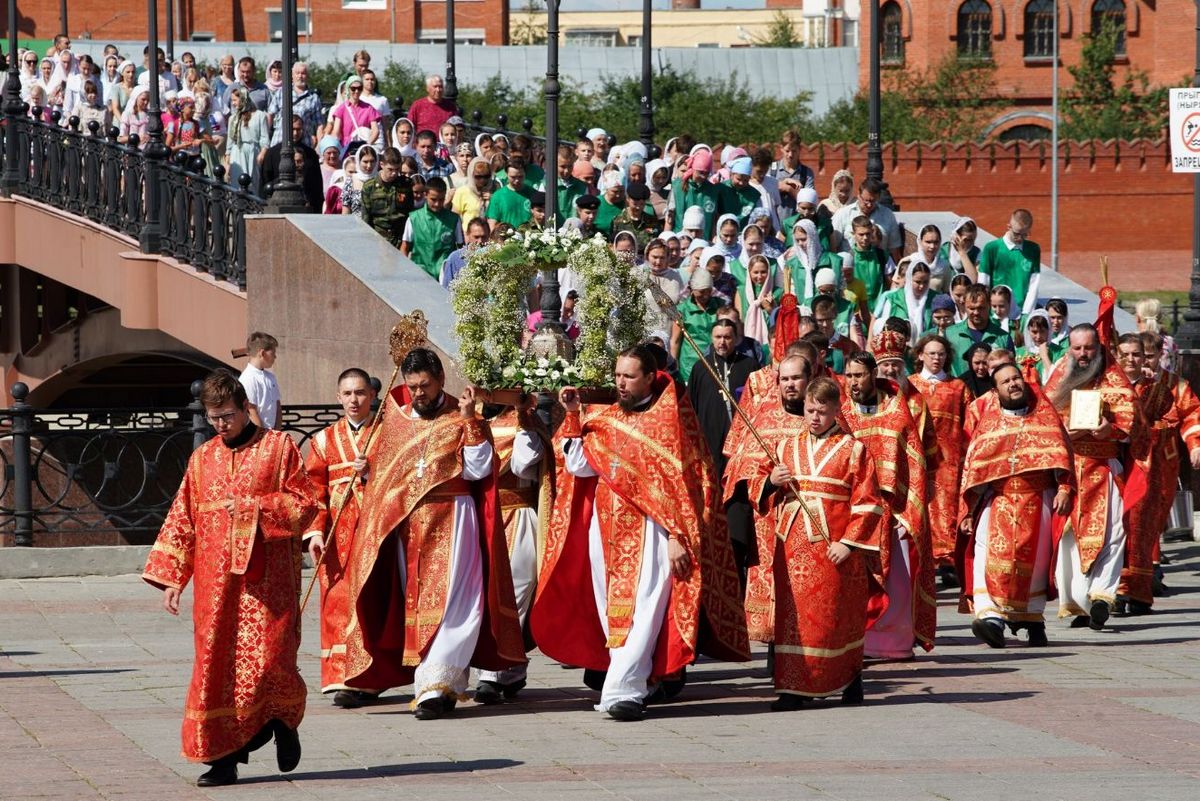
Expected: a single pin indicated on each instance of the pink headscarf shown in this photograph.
(700, 160)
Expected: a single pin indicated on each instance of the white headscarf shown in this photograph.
(728, 251)
(130, 104)
(809, 255)
(756, 319)
(915, 306)
(358, 162)
(58, 78)
(409, 150)
(955, 259)
(1043, 314)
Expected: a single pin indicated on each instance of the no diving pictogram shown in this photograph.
(1189, 132)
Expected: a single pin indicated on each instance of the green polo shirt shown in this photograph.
(961, 340)
(433, 238)
(569, 191)
(869, 266)
(510, 207)
(605, 216)
(1011, 267)
(709, 197)
(741, 202)
(698, 322)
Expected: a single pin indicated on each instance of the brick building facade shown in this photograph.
(476, 21)
(1017, 36)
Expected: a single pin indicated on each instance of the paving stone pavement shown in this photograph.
(93, 673)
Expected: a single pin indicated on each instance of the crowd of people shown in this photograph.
(817, 430)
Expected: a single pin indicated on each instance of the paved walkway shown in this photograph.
(92, 676)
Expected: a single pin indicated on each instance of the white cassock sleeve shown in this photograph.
(1031, 297)
(526, 455)
(477, 461)
(575, 461)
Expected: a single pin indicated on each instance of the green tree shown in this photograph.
(529, 29)
(781, 32)
(1102, 105)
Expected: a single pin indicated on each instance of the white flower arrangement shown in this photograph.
(541, 374)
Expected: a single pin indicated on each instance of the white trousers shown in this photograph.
(523, 558)
(1076, 589)
(893, 635)
(630, 665)
(985, 605)
(443, 670)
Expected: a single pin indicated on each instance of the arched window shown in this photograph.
(975, 29)
(1113, 13)
(1039, 29)
(893, 36)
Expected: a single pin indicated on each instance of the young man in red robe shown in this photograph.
(1092, 549)
(1018, 474)
(638, 562)
(1171, 410)
(337, 467)
(429, 576)
(821, 576)
(902, 612)
(234, 531)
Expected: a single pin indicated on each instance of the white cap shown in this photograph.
(825, 277)
(808, 195)
(701, 279)
(594, 132)
(693, 217)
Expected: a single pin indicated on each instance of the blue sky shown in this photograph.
(630, 5)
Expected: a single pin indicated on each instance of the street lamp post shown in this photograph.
(874, 146)
(451, 92)
(156, 152)
(287, 197)
(62, 17)
(170, 43)
(551, 89)
(646, 118)
(13, 107)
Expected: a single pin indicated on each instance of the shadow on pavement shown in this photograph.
(383, 771)
(33, 674)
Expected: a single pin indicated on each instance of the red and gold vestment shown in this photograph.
(947, 402)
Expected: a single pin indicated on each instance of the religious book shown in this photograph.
(1087, 406)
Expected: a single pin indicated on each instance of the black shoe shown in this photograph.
(1037, 635)
(1121, 607)
(1159, 587)
(1099, 615)
(948, 576)
(853, 694)
(594, 679)
(627, 711)
(429, 710)
(1137, 608)
(988, 631)
(488, 693)
(287, 747)
(657, 696)
(221, 774)
(352, 699)
(448, 704)
(511, 689)
(786, 702)
(1081, 622)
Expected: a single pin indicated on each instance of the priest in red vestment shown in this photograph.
(903, 610)
(1018, 475)
(234, 531)
(1171, 411)
(639, 576)
(821, 576)
(430, 584)
(1092, 550)
(337, 467)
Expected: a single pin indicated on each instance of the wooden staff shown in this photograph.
(669, 309)
(407, 334)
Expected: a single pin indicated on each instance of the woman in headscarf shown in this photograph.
(960, 250)
(727, 238)
(977, 377)
(1148, 314)
(841, 190)
(359, 168)
(118, 96)
(402, 137)
(772, 244)
(329, 150)
(914, 302)
(29, 72)
(46, 74)
(470, 200)
(625, 244)
(1060, 323)
(802, 261)
(333, 192)
(462, 158)
(90, 108)
(65, 66)
(211, 122)
(928, 253)
(110, 76)
(1038, 353)
(274, 76)
(135, 119)
(757, 298)
(248, 138)
(750, 244)
(483, 145)
(658, 178)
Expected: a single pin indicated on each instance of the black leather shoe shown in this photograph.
(219, 775)
(1121, 607)
(594, 679)
(853, 694)
(787, 702)
(1137, 608)
(512, 688)
(352, 699)
(287, 748)
(488, 693)
(1099, 614)
(1081, 622)
(627, 711)
(1037, 635)
(988, 631)
(948, 577)
(429, 710)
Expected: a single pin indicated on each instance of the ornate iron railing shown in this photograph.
(90, 174)
(104, 476)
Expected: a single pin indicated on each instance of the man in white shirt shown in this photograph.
(867, 205)
(262, 390)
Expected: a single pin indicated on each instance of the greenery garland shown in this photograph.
(488, 300)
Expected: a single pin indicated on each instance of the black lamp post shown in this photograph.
(13, 107)
(874, 148)
(551, 89)
(451, 92)
(170, 43)
(287, 198)
(156, 152)
(63, 25)
(646, 116)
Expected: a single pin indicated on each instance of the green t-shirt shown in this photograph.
(605, 216)
(961, 340)
(699, 323)
(569, 191)
(800, 280)
(433, 238)
(708, 197)
(1013, 268)
(740, 202)
(869, 268)
(510, 207)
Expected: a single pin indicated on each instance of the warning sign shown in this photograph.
(1185, 130)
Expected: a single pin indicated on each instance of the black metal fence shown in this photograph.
(104, 476)
(91, 174)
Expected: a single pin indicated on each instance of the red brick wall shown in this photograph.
(1116, 195)
(236, 20)
(1160, 41)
